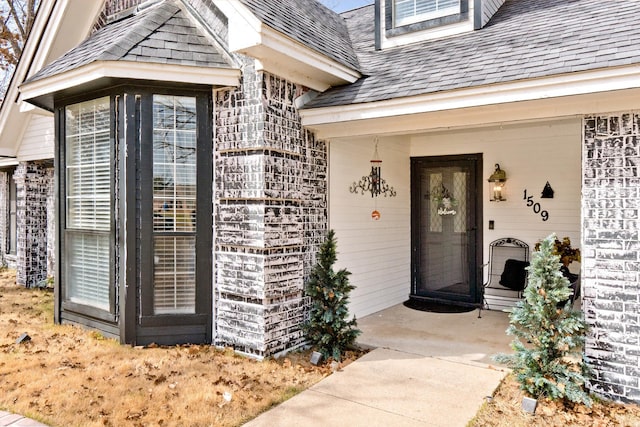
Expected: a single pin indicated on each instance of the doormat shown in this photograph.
(437, 307)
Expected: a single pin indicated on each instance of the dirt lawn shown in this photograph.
(66, 376)
(505, 410)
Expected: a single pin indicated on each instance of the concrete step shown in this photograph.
(498, 302)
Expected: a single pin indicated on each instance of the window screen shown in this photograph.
(88, 202)
(410, 11)
(174, 204)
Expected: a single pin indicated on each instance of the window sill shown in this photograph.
(427, 25)
(88, 311)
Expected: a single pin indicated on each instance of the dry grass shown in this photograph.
(505, 410)
(66, 376)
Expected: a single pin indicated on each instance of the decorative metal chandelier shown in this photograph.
(373, 183)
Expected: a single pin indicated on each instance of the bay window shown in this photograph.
(135, 176)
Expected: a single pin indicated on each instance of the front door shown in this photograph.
(446, 228)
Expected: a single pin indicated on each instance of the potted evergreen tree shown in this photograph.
(549, 333)
(328, 328)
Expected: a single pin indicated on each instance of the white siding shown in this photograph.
(489, 8)
(378, 252)
(38, 140)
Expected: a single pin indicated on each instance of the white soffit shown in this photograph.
(130, 70)
(280, 54)
(563, 95)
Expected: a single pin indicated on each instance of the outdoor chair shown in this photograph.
(574, 284)
(507, 274)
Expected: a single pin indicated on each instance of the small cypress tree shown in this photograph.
(549, 334)
(328, 328)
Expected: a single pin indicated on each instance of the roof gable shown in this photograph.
(157, 34)
(309, 23)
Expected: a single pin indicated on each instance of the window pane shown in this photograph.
(88, 169)
(410, 11)
(460, 196)
(88, 202)
(174, 112)
(87, 269)
(174, 204)
(174, 164)
(174, 276)
(435, 220)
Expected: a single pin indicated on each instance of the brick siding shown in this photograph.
(34, 223)
(611, 252)
(270, 214)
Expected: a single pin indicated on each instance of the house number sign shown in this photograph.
(537, 209)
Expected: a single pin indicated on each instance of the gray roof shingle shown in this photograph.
(310, 23)
(525, 39)
(157, 34)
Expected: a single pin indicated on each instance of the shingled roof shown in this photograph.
(157, 34)
(526, 39)
(310, 23)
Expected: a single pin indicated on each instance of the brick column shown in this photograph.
(270, 214)
(611, 252)
(34, 184)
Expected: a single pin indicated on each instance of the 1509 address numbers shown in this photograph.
(537, 209)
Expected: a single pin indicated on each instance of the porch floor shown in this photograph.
(459, 337)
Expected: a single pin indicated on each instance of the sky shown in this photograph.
(342, 5)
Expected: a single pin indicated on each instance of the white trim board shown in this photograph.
(130, 70)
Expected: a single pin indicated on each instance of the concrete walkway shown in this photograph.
(7, 419)
(427, 369)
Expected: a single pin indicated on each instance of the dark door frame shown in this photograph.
(475, 246)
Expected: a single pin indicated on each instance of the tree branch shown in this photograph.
(10, 37)
(16, 19)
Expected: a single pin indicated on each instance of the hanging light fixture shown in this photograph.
(497, 180)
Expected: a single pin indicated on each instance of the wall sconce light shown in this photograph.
(497, 181)
(373, 183)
